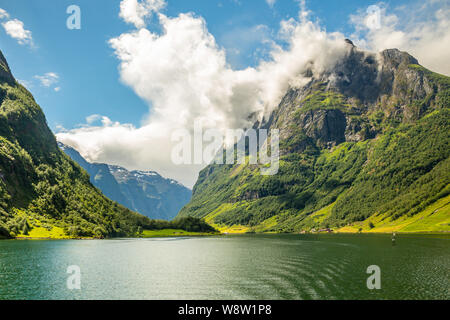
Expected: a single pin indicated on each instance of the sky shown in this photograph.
(137, 70)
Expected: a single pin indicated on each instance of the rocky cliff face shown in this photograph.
(5, 72)
(334, 107)
(355, 141)
(146, 192)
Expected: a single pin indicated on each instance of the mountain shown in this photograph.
(145, 192)
(363, 147)
(41, 189)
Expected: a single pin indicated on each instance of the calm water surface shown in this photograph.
(228, 267)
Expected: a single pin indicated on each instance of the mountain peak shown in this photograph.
(396, 58)
(366, 75)
(350, 42)
(143, 191)
(368, 137)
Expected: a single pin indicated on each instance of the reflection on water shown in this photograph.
(228, 267)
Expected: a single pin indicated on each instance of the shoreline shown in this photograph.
(423, 233)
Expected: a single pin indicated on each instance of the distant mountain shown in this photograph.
(42, 190)
(362, 146)
(145, 192)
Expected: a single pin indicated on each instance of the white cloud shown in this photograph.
(183, 75)
(134, 11)
(15, 29)
(93, 118)
(271, 2)
(48, 79)
(423, 31)
(3, 14)
(60, 128)
(57, 89)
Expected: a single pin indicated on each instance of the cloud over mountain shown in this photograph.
(183, 75)
(422, 29)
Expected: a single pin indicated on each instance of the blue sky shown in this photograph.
(87, 68)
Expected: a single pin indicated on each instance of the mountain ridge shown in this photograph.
(365, 140)
(146, 192)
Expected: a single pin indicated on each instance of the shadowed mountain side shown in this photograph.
(146, 192)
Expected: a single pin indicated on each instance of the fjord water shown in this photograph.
(228, 267)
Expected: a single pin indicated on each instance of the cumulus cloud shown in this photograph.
(423, 30)
(271, 2)
(49, 79)
(93, 118)
(15, 29)
(135, 12)
(3, 14)
(184, 76)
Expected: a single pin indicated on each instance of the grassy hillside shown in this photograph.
(45, 194)
(146, 192)
(40, 187)
(42, 191)
(349, 162)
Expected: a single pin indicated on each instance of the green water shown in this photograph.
(228, 267)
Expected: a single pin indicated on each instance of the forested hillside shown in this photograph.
(146, 192)
(363, 147)
(41, 189)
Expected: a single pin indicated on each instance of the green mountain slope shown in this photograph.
(363, 146)
(42, 189)
(146, 192)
